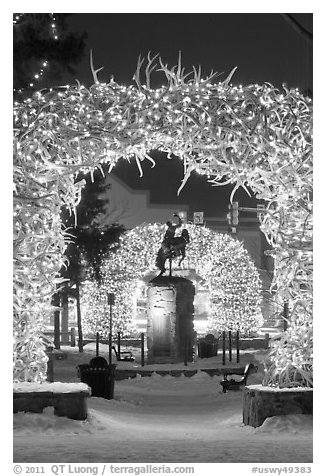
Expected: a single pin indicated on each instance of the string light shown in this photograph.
(221, 263)
(44, 64)
(265, 146)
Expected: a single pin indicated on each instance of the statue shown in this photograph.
(172, 246)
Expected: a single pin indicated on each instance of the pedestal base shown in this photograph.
(170, 330)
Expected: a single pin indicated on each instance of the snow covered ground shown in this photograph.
(161, 419)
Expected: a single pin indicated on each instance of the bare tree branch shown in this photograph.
(297, 27)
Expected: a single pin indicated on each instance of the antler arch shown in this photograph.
(252, 136)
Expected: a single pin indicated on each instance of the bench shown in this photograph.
(127, 354)
(128, 357)
(93, 341)
(231, 383)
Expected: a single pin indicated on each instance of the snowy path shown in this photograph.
(163, 419)
(100, 449)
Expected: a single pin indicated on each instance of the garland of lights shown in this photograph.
(44, 63)
(222, 264)
(254, 136)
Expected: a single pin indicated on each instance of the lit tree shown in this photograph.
(222, 263)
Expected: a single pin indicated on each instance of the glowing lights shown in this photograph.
(251, 136)
(221, 263)
(44, 63)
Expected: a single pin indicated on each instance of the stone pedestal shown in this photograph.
(170, 329)
(263, 402)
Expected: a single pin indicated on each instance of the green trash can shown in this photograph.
(100, 376)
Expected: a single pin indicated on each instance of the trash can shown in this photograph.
(207, 347)
(100, 376)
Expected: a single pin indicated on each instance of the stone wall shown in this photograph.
(67, 399)
(263, 402)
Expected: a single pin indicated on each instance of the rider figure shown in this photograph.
(170, 232)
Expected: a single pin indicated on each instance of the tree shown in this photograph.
(303, 33)
(221, 264)
(41, 44)
(89, 241)
(298, 27)
(92, 238)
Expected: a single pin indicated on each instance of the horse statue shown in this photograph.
(172, 247)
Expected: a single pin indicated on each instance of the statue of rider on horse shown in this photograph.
(172, 246)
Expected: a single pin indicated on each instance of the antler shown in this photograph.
(136, 76)
(149, 69)
(94, 71)
(228, 79)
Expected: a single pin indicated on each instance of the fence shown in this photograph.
(229, 340)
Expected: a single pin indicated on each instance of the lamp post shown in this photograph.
(110, 303)
(233, 217)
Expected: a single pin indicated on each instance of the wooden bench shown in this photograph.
(127, 355)
(231, 383)
(93, 341)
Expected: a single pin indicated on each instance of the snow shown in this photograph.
(161, 419)
(55, 387)
(287, 423)
(278, 389)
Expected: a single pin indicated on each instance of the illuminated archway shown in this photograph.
(219, 261)
(254, 136)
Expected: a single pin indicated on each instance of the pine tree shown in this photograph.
(92, 239)
(89, 241)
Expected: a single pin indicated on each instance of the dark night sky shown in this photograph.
(263, 46)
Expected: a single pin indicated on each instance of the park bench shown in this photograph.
(123, 356)
(231, 383)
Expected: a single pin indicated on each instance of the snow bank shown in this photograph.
(296, 424)
(47, 423)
